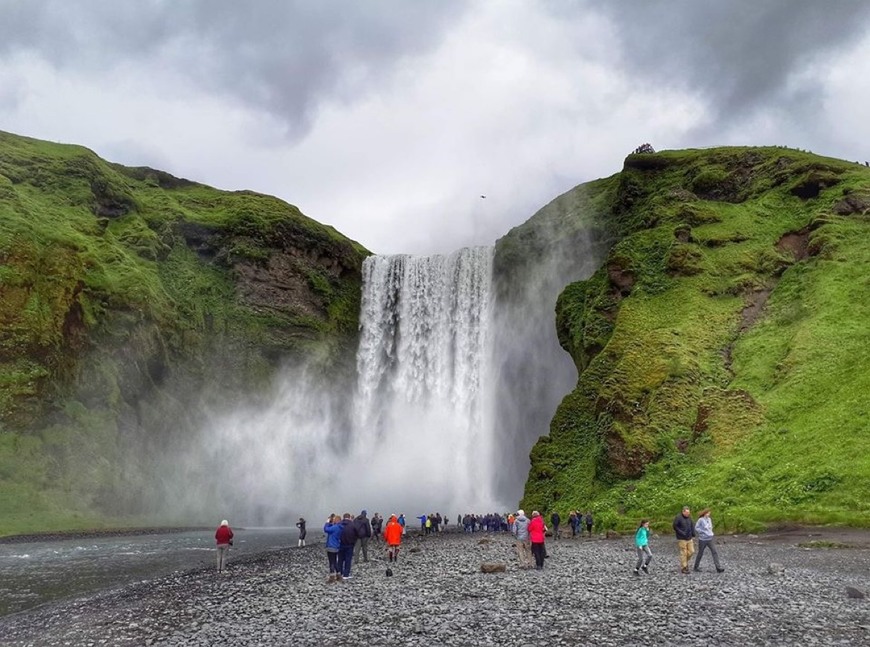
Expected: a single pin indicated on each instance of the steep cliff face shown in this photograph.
(129, 298)
(722, 346)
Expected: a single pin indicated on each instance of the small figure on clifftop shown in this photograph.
(704, 531)
(224, 539)
(301, 525)
(641, 546)
(684, 528)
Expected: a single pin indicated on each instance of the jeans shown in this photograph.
(332, 557)
(345, 557)
(703, 544)
(644, 556)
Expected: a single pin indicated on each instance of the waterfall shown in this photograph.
(422, 391)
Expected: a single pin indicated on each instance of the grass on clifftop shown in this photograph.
(724, 347)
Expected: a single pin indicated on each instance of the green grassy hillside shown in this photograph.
(723, 348)
(126, 291)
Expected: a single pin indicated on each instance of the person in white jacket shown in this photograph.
(704, 532)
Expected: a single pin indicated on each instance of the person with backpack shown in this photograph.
(377, 526)
(363, 533)
(641, 546)
(347, 541)
(523, 545)
(589, 522)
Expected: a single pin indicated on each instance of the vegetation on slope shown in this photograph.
(123, 290)
(723, 349)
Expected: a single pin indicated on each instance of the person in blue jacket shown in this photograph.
(333, 529)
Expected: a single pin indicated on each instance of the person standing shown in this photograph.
(704, 532)
(363, 533)
(301, 525)
(641, 546)
(684, 528)
(521, 533)
(377, 526)
(555, 519)
(537, 536)
(347, 540)
(393, 538)
(223, 537)
(589, 522)
(333, 529)
(402, 522)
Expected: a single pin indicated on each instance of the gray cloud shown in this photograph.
(283, 56)
(740, 54)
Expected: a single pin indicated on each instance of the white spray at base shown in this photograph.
(419, 437)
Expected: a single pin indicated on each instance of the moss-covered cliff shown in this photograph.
(127, 295)
(723, 348)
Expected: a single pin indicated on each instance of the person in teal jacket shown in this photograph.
(641, 546)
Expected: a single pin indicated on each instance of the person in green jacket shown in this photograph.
(641, 546)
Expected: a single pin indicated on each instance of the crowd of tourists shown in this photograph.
(349, 537)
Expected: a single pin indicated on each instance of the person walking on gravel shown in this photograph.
(684, 528)
(521, 533)
(301, 525)
(641, 546)
(224, 539)
(333, 529)
(704, 531)
(393, 537)
(589, 523)
(537, 536)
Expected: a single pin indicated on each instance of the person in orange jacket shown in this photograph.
(393, 537)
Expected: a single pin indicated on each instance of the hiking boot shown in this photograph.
(645, 569)
(696, 569)
(684, 570)
(720, 570)
(637, 572)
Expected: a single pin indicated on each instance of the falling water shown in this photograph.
(422, 360)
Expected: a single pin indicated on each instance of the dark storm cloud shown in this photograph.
(739, 54)
(283, 56)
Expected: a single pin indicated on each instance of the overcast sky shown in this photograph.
(390, 119)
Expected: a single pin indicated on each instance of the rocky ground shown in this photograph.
(786, 589)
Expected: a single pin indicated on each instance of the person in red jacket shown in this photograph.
(393, 537)
(536, 537)
(224, 539)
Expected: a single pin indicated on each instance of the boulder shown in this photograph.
(855, 593)
(493, 568)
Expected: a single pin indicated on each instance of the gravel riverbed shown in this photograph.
(773, 592)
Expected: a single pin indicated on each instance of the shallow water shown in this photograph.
(34, 573)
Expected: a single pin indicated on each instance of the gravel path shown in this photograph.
(587, 593)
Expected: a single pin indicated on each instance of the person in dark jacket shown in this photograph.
(301, 525)
(363, 532)
(347, 541)
(589, 523)
(224, 539)
(684, 528)
(555, 519)
(377, 526)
